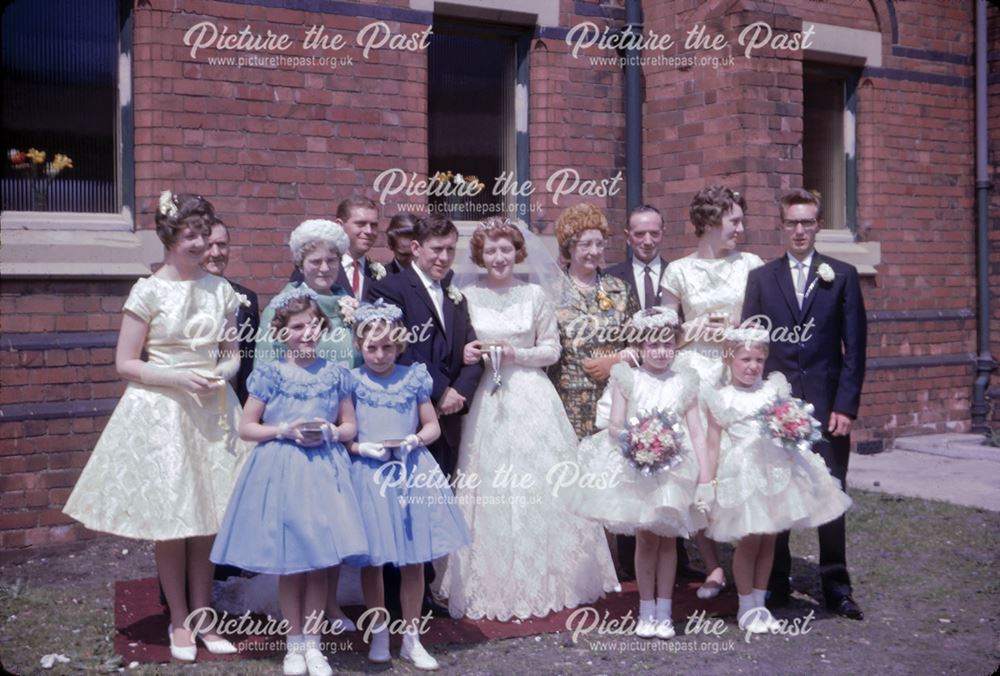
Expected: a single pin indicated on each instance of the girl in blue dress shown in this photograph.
(294, 512)
(407, 507)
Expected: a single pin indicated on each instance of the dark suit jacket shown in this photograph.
(625, 272)
(342, 281)
(247, 322)
(442, 350)
(827, 368)
(393, 267)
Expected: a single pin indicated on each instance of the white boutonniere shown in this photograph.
(378, 270)
(242, 300)
(348, 304)
(167, 205)
(455, 295)
(824, 272)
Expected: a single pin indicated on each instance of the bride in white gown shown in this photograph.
(530, 556)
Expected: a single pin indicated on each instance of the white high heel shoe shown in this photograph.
(219, 646)
(186, 653)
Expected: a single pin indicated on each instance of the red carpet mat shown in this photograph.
(141, 623)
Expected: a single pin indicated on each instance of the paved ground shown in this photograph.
(955, 468)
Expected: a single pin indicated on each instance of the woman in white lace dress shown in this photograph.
(529, 555)
(708, 287)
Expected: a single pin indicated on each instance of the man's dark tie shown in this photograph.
(649, 299)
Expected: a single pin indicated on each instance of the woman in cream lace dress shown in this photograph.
(529, 555)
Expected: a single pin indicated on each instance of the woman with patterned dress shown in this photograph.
(165, 464)
(592, 310)
(529, 556)
(708, 286)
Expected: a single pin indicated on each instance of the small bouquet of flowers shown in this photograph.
(789, 421)
(651, 441)
(38, 172)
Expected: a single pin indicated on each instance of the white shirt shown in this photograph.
(434, 290)
(639, 272)
(348, 263)
(793, 265)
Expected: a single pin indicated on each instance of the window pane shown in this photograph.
(60, 62)
(823, 155)
(470, 103)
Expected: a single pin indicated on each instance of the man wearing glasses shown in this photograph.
(819, 298)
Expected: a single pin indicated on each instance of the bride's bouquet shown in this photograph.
(790, 422)
(651, 441)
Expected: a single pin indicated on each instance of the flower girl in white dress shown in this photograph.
(768, 480)
(652, 452)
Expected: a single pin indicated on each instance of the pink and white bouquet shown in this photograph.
(652, 441)
(789, 421)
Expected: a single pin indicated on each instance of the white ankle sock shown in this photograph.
(759, 597)
(647, 610)
(295, 643)
(664, 609)
(747, 603)
(312, 642)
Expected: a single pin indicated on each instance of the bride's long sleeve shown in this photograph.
(546, 348)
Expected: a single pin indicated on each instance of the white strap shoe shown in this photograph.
(317, 664)
(378, 651)
(645, 627)
(294, 665)
(413, 652)
(757, 620)
(665, 629)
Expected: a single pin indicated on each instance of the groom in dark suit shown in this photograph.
(820, 298)
(438, 316)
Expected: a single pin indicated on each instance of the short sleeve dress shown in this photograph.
(165, 464)
(293, 508)
(618, 495)
(762, 487)
(407, 507)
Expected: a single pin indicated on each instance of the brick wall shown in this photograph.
(272, 146)
(742, 125)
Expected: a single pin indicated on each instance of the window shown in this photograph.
(60, 95)
(474, 73)
(829, 162)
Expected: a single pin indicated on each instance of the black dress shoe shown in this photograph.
(777, 598)
(846, 607)
(434, 608)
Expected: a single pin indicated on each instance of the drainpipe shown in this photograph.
(984, 361)
(633, 109)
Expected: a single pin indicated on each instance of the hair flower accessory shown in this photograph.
(167, 205)
(378, 311)
(455, 295)
(286, 297)
(348, 308)
(747, 335)
(655, 318)
(825, 272)
(378, 270)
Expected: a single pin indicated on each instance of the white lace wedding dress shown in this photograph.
(530, 556)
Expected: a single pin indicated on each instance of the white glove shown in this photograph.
(704, 497)
(330, 432)
(410, 443)
(228, 367)
(166, 376)
(369, 449)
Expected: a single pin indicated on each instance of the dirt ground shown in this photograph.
(924, 572)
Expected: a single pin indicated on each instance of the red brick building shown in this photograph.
(875, 110)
